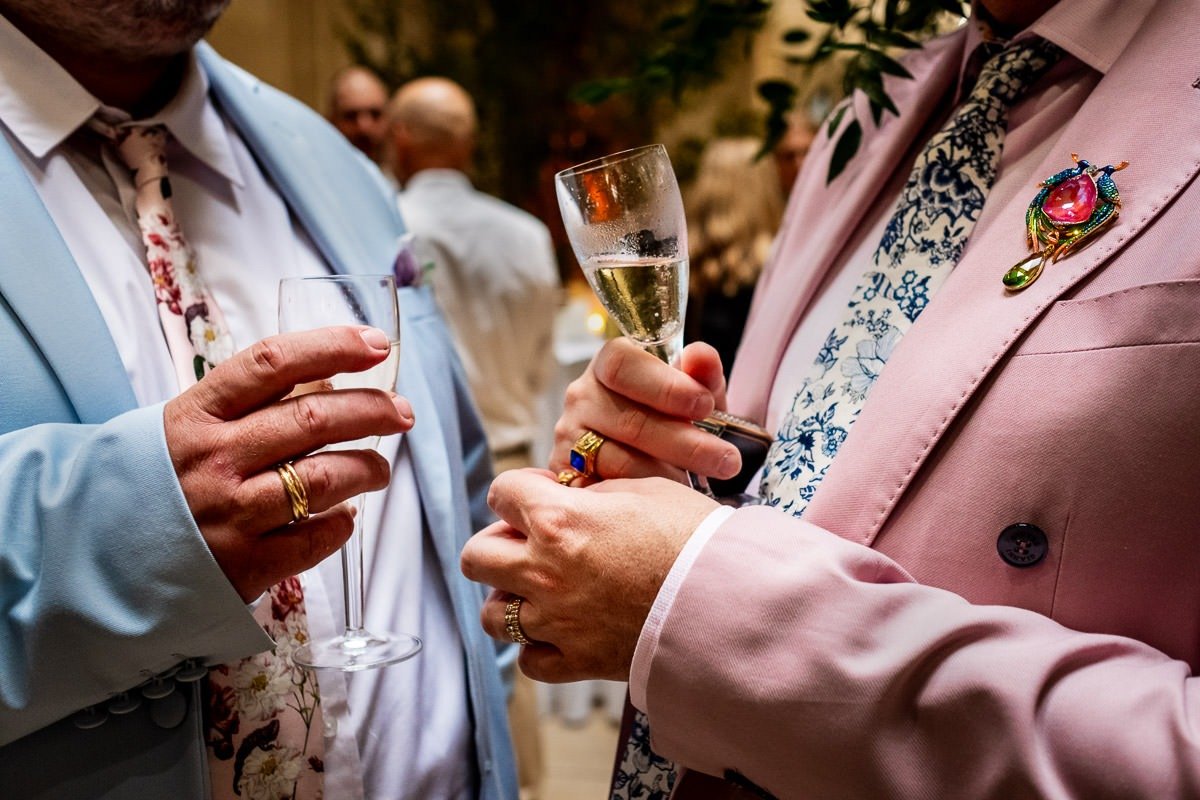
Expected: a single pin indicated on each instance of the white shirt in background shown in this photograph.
(496, 280)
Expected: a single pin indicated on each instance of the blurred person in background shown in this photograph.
(733, 211)
(154, 576)
(357, 98)
(495, 275)
(789, 152)
(496, 279)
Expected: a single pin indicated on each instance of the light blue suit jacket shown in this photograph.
(104, 577)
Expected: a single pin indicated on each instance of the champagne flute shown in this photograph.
(624, 216)
(317, 302)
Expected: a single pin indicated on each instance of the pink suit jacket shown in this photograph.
(820, 668)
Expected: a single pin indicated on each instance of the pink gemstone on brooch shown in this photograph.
(1071, 202)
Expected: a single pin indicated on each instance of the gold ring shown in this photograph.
(295, 491)
(583, 454)
(512, 621)
(566, 476)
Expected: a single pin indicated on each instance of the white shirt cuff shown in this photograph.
(643, 654)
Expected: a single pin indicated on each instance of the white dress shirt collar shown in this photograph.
(43, 104)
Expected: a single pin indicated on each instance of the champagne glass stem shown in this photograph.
(670, 351)
(352, 572)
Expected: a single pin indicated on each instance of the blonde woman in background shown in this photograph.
(733, 211)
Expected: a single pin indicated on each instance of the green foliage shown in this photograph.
(846, 147)
(869, 34)
(863, 35)
(687, 51)
(381, 36)
(780, 97)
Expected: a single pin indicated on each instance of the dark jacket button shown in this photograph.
(1022, 545)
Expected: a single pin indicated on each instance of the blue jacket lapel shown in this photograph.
(437, 474)
(41, 283)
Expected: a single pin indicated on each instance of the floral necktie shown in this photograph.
(262, 717)
(195, 330)
(935, 214)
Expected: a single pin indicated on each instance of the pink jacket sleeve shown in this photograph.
(817, 668)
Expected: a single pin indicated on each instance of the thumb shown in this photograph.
(702, 363)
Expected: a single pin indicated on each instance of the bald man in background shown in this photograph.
(496, 280)
(495, 273)
(357, 98)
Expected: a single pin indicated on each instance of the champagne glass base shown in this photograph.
(357, 651)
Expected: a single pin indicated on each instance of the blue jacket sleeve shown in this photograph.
(105, 579)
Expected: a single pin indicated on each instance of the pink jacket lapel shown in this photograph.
(1146, 110)
(804, 254)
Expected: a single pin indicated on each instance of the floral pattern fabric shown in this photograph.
(197, 336)
(937, 210)
(263, 716)
(642, 773)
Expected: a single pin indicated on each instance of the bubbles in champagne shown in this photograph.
(646, 297)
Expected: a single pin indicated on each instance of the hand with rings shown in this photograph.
(267, 499)
(574, 571)
(630, 416)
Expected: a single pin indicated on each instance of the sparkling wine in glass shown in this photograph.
(646, 297)
(624, 216)
(318, 302)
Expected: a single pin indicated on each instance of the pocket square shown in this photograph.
(405, 267)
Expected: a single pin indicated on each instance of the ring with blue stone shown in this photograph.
(583, 454)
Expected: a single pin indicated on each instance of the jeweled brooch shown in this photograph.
(1071, 208)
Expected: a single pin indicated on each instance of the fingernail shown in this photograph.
(404, 407)
(730, 462)
(375, 338)
(702, 407)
